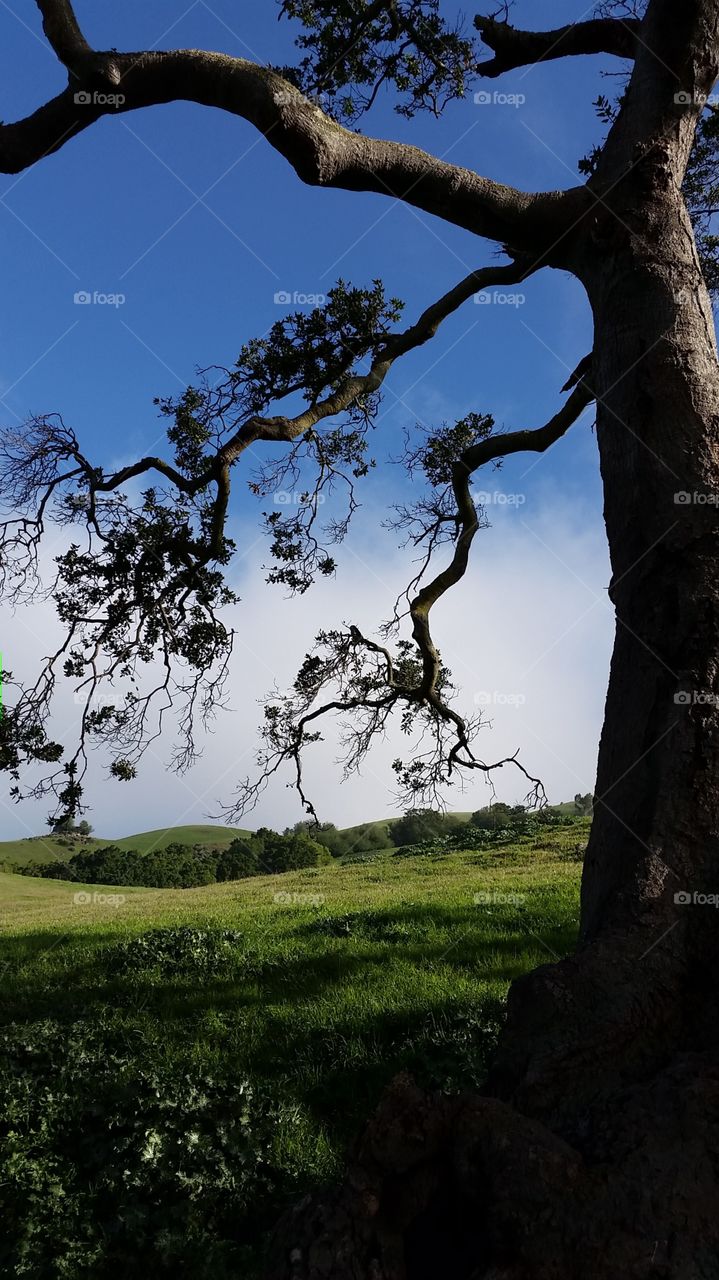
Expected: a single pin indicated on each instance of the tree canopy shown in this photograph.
(143, 586)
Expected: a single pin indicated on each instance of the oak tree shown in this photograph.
(593, 1148)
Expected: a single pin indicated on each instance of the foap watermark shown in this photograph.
(105, 706)
(494, 98)
(296, 498)
(495, 498)
(685, 99)
(692, 898)
(488, 297)
(83, 298)
(299, 899)
(291, 97)
(497, 898)
(85, 899)
(283, 298)
(497, 698)
(84, 98)
(685, 499)
(696, 698)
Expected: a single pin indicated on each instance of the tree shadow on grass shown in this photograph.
(51, 975)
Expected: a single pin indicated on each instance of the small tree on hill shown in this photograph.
(417, 825)
(238, 862)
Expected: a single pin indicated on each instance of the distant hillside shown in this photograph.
(367, 835)
(61, 848)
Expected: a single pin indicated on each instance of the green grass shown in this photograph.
(50, 849)
(361, 970)
(218, 837)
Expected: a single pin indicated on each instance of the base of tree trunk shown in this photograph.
(593, 1157)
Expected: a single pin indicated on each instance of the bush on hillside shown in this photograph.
(368, 838)
(418, 825)
(521, 824)
(238, 862)
(496, 815)
(179, 866)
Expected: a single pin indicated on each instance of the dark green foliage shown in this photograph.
(289, 853)
(66, 825)
(181, 949)
(310, 351)
(175, 867)
(418, 825)
(178, 866)
(515, 824)
(496, 815)
(117, 1162)
(583, 805)
(23, 738)
(238, 862)
(47, 870)
(352, 47)
(445, 446)
(62, 826)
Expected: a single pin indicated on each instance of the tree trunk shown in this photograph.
(594, 1151)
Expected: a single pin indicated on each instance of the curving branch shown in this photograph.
(369, 683)
(467, 523)
(355, 386)
(515, 48)
(320, 151)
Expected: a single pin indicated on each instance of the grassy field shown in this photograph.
(57, 848)
(284, 1015)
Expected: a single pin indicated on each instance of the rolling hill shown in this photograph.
(61, 848)
(49, 848)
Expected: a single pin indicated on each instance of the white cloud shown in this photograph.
(527, 635)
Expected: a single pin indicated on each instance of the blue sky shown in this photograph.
(192, 217)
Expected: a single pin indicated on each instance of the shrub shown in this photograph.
(416, 826)
(179, 949)
(238, 862)
(116, 1161)
(179, 866)
(289, 853)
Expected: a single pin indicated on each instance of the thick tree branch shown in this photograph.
(282, 429)
(66, 39)
(63, 31)
(321, 152)
(514, 48)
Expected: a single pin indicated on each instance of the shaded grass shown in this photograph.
(360, 971)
